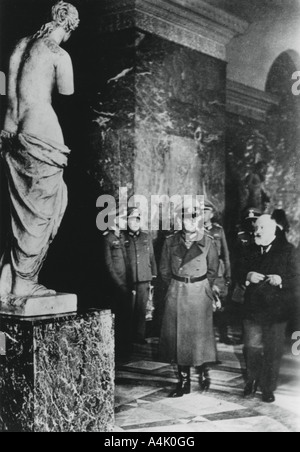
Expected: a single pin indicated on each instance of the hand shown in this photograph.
(274, 280)
(228, 281)
(218, 304)
(255, 278)
(216, 290)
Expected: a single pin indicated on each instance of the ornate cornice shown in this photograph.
(192, 23)
(249, 102)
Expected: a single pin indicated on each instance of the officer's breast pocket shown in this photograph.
(116, 252)
(146, 246)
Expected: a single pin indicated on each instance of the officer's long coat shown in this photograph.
(115, 259)
(187, 336)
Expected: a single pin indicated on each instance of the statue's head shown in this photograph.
(63, 15)
(66, 16)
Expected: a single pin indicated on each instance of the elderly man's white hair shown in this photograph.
(63, 15)
(265, 230)
(268, 222)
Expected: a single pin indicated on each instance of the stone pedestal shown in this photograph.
(39, 306)
(57, 373)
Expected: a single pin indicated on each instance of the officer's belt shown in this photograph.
(188, 280)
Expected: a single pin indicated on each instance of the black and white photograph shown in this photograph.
(150, 218)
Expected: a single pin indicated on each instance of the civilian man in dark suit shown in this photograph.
(140, 255)
(269, 271)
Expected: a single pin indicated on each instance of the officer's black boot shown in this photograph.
(184, 385)
(268, 397)
(204, 378)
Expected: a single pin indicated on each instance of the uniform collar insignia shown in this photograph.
(134, 234)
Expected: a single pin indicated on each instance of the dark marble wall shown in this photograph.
(180, 120)
(112, 129)
(275, 141)
(159, 118)
(58, 374)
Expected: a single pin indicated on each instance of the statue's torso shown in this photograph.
(32, 79)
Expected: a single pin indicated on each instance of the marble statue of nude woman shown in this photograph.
(34, 153)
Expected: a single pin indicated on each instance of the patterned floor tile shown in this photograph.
(171, 412)
(140, 416)
(223, 376)
(199, 405)
(142, 402)
(288, 403)
(207, 427)
(118, 430)
(126, 394)
(146, 365)
(231, 365)
(258, 424)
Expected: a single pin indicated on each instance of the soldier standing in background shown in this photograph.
(119, 282)
(245, 241)
(246, 233)
(143, 269)
(223, 280)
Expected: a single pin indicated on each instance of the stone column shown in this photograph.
(159, 124)
(57, 373)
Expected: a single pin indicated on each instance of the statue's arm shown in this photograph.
(65, 75)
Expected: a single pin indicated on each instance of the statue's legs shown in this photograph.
(38, 198)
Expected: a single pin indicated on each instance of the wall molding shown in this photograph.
(249, 102)
(192, 23)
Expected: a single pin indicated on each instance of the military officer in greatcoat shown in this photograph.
(143, 270)
(224, 274)
(189, 267)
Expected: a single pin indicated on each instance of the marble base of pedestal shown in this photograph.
(57, 373)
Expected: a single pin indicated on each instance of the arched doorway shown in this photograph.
(273, 137)
(283, 130)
